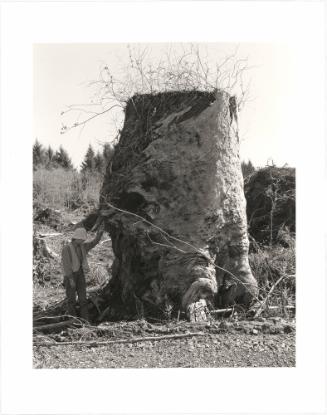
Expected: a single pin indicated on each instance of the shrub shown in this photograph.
(270, 196)
(61, 188)
(268, 264)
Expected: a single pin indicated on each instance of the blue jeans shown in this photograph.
(80, 289)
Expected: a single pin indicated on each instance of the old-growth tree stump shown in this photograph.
(177, 170)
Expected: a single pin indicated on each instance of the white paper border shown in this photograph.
(274, 390)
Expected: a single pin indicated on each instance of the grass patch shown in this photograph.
(269, 264)
(60, 188)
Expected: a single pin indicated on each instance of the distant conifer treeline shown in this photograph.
(92, 162)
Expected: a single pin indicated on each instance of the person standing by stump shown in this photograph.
(75, 266)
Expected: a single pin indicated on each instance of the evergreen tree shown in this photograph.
(108, 152)
(49, 153)
(247, 168)
(99, 162)
(88, 165)
(38, 155)
(62, 159)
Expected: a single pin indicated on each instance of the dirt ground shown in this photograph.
(140, 344)
(226, 342)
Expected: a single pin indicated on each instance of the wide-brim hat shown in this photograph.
(80, 233)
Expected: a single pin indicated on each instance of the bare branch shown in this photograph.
(79, 124)
(120, 341)
(260, 309)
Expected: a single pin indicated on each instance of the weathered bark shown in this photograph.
(177, 165)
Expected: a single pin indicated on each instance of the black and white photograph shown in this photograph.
(163, 242)
(155, 243)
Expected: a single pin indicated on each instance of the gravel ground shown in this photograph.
(214, 348)
(266, 342)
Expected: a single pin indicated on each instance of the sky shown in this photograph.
(63, 72)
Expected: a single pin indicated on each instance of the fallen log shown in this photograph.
(55, 326)
(227, 311)
(49, 235)
(41, 248)
(222, 311)
(43, 319)
(56, 309)
(287, 307)
(131, 340)
(50, 217)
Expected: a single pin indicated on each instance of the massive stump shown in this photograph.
(177, 171)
